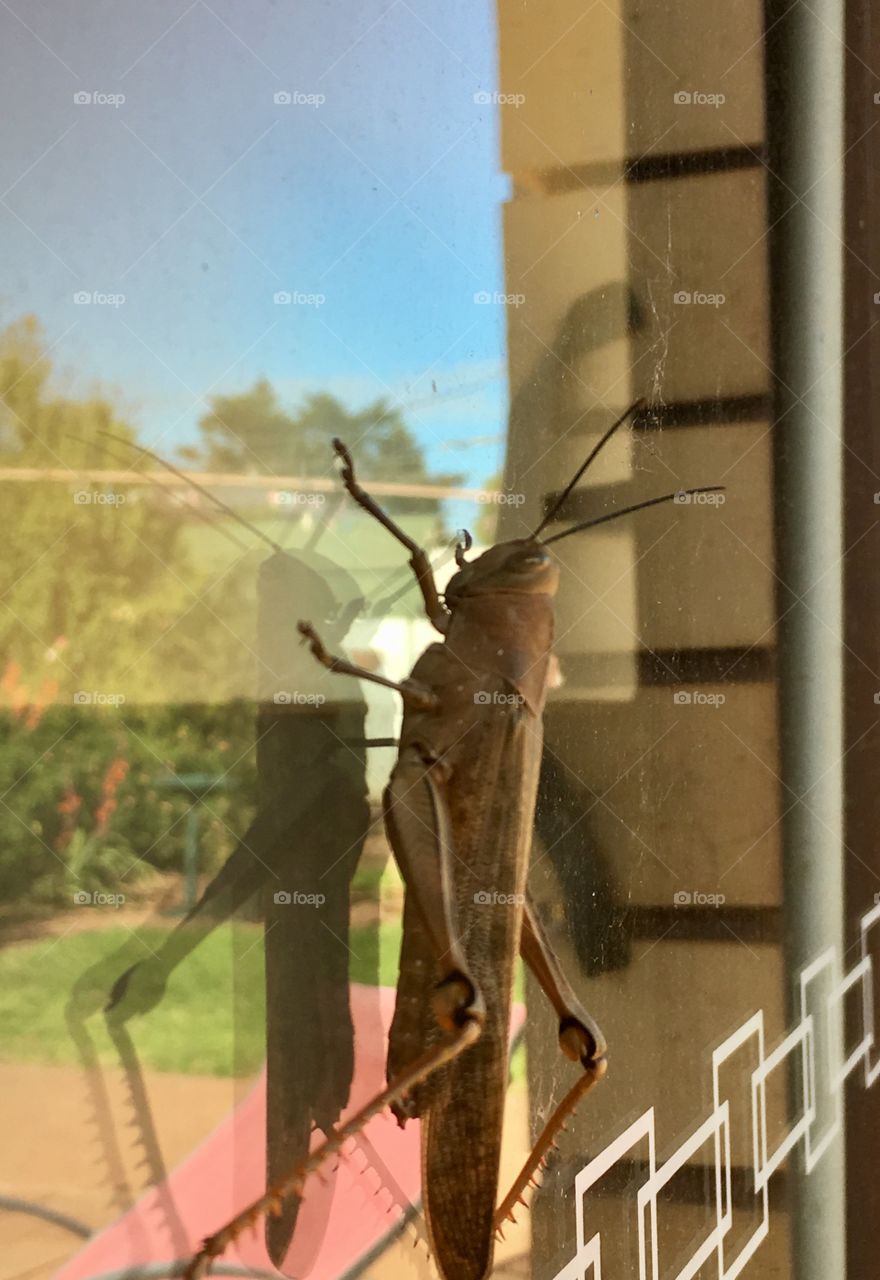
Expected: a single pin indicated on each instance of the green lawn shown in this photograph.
(50, 990)
(193, 1030)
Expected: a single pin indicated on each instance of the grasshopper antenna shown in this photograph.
(323, 524)
(638, 506)
(193, 484)
(637, 404)
(112, 453)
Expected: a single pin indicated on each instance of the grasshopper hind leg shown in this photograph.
(419, 832)
(293, 1181)
(579, 1038)
(457, 1005)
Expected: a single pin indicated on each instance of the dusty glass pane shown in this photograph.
(464, 241)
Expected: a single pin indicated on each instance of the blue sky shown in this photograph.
(199, 198)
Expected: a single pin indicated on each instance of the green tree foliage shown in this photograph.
(101, 600)
(100, 593)
(85, 808)
(117, 589)
(252, 432)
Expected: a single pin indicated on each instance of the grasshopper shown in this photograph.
(458, 810)
(309, 836)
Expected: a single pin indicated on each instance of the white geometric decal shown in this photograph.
(817, 1043)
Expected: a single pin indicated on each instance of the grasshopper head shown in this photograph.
(523, 567)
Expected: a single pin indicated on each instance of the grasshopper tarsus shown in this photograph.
(341, 451)
(547, 1139)
(463, 546)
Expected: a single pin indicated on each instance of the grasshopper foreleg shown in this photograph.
(414, 694)
(421, 566)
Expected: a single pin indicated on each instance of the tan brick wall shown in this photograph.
(602, 231)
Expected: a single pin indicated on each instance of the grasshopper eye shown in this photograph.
(530, 560)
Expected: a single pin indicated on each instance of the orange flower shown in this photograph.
(11, 676)
(70, 802)
(115, 775)
(68, 806)
(33, 713)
